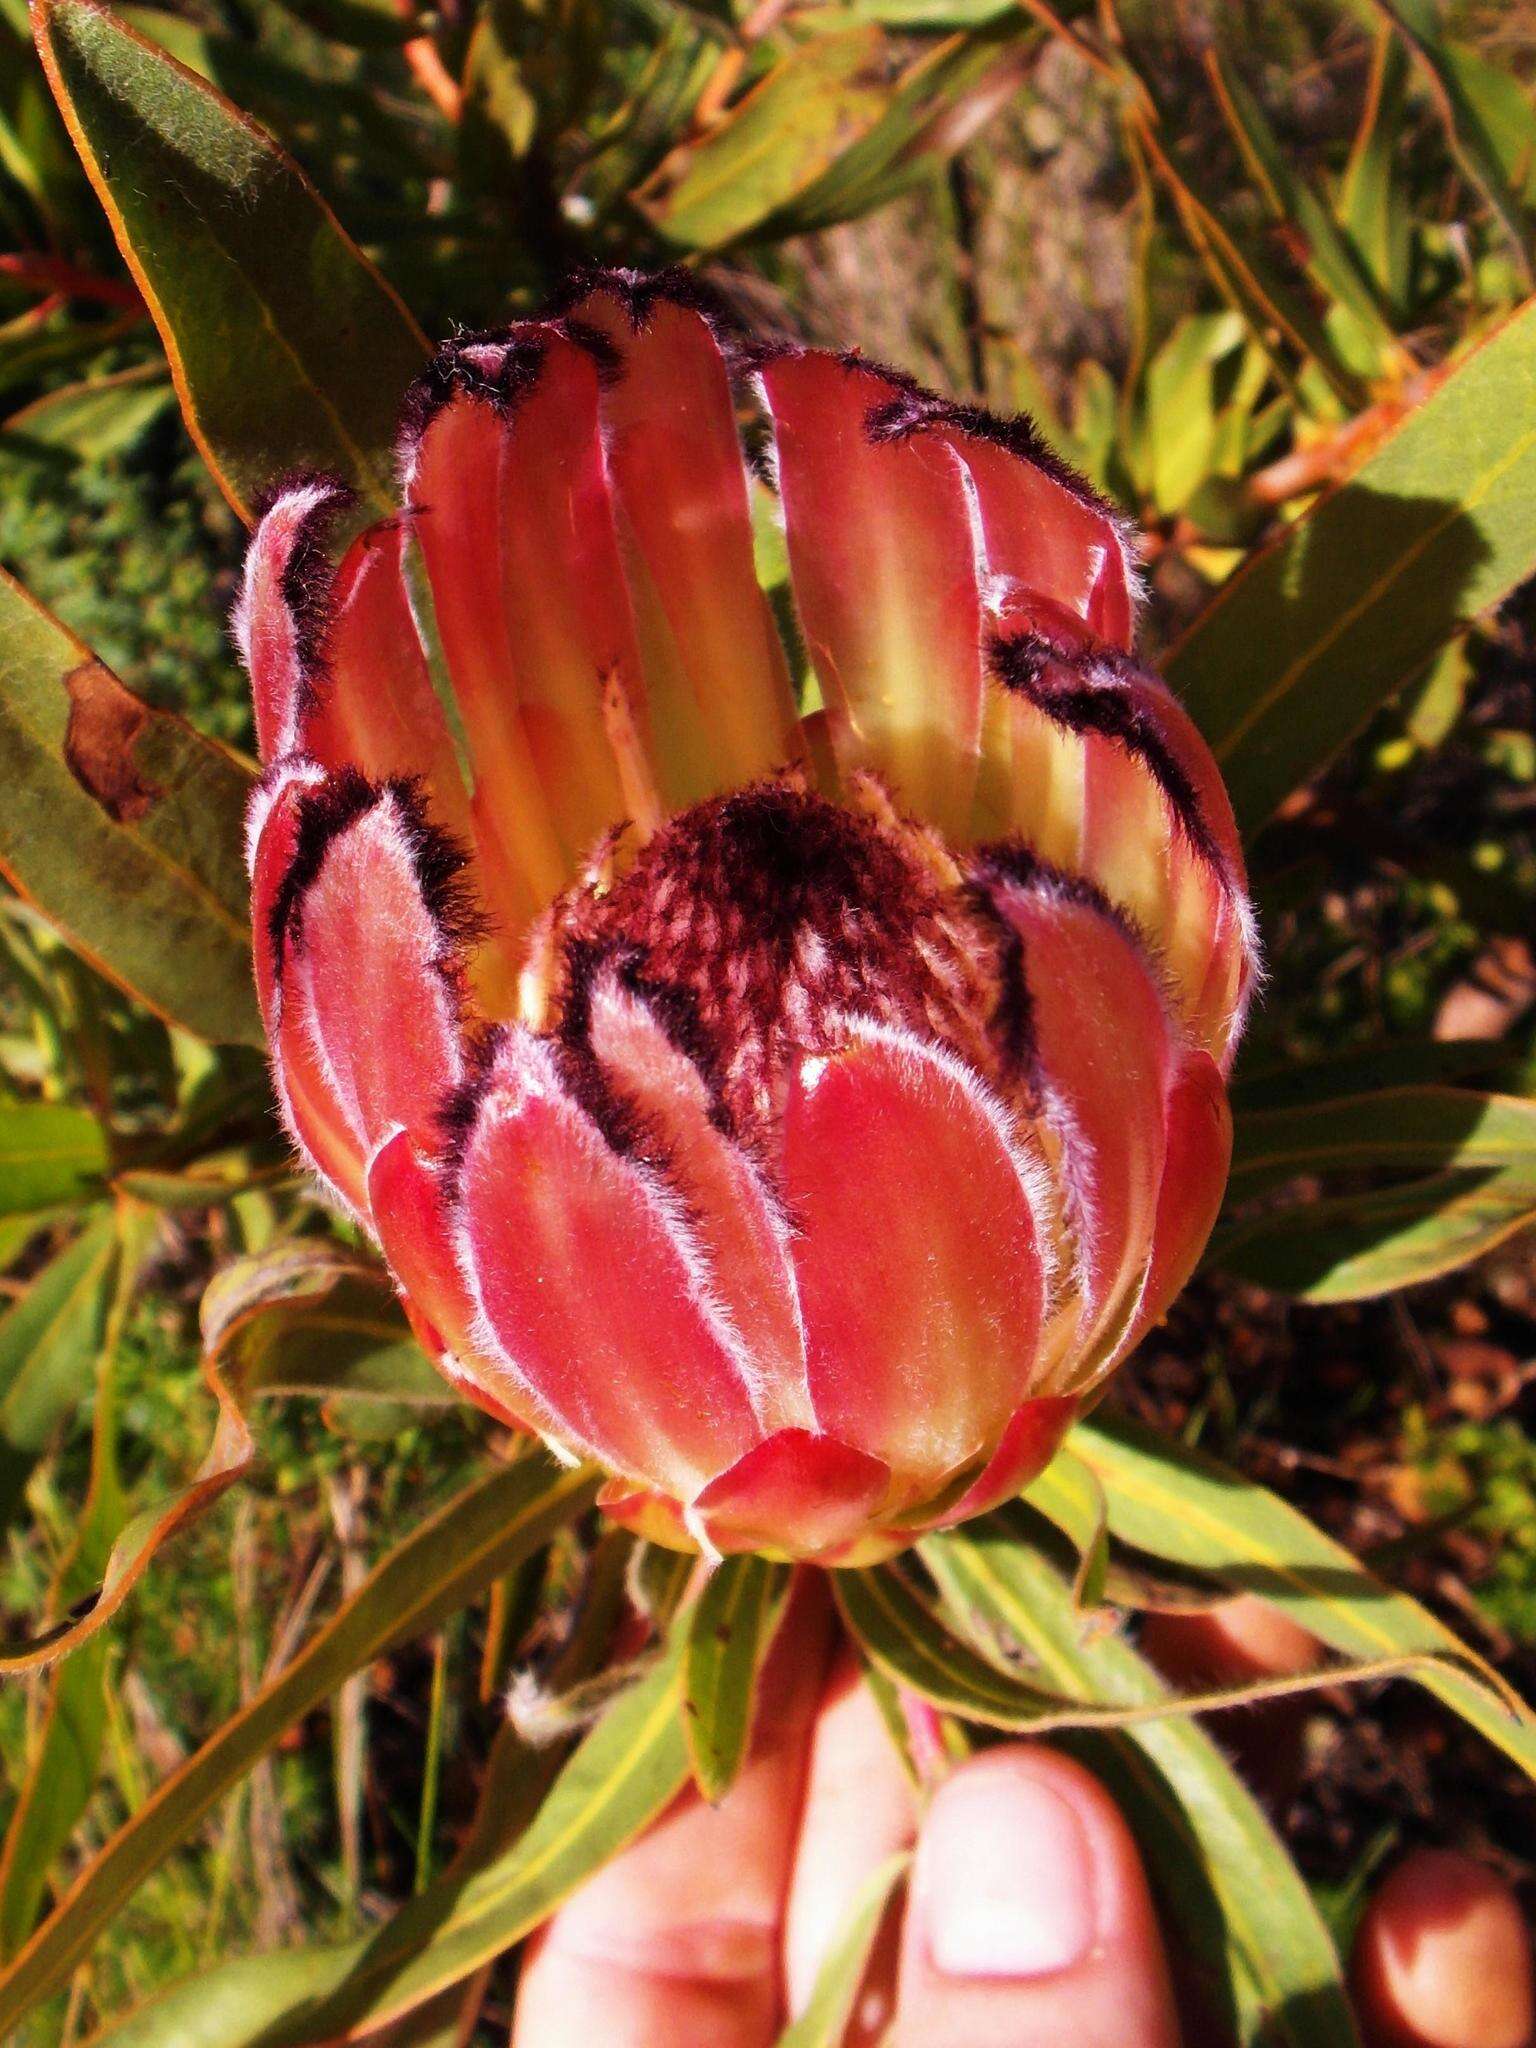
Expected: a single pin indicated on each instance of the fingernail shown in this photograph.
(1004, 1879)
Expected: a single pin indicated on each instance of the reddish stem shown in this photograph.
(60, 278)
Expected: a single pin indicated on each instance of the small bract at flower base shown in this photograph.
(793, 1092)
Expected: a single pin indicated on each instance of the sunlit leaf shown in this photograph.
(832, 130)
(1421, 26)
(1375, 1241)
(1176, 1503)
(288, 349)
(451, 1559)
(731, 1628)
(903, 1636)
(50, 1338)
(1304, 644)
(1068, 1493)
(122, 825)
(307, 1317)
(93, 420)
(1365, 334)
(61, 1765)
(1407, 1128)
(1373, 205)
(631, 1766)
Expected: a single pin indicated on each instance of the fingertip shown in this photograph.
(859, 1809)
(1030, 1921)
(1227, 1644)
(1443, 1958)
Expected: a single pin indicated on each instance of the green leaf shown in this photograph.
(1418, 22)
(288, 349)
(1373, 204)
(1409, 1128)
(122, 826)
(94, 420)
(934, 109)
(307, 1317)
(61, 1771)
(829, 2008)
(1235, 1907)
(732, 1626)
(1476, 1153)
(1356, 1246)
(1181, 405)
(50, 1154)
(450, 1560)
(1315, 633)
(1366, 338)
(1176, 1503)
(1390, 1063)
(829, 134)
(50, 1338)
(628, 1769)
(1068, 1493)
(773, 144)
(902, 1636)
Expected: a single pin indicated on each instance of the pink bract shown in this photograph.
(784, 1067)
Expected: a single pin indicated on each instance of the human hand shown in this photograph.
(1029, 1923)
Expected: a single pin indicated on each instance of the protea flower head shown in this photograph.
(794, 1091)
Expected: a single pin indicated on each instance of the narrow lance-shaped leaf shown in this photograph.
(627, 1770)
(288, 349)
(1320, 629)
(50, 1338)
(1363, 1244)
(1178, 1504)
(902, 1636)
(50, 1154)
(307, 1317)
(1419, 23)
(1406, 1128)
(1068, 1493)
(61, 1773)
(451, 1559)
(829, 2008)
(121, 824)
(713, 191)
(1474, 1153)
(1235, 1905)
(1371, 345)
(729, 1635)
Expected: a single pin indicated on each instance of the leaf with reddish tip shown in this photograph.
(288, 349)
(122, 825)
